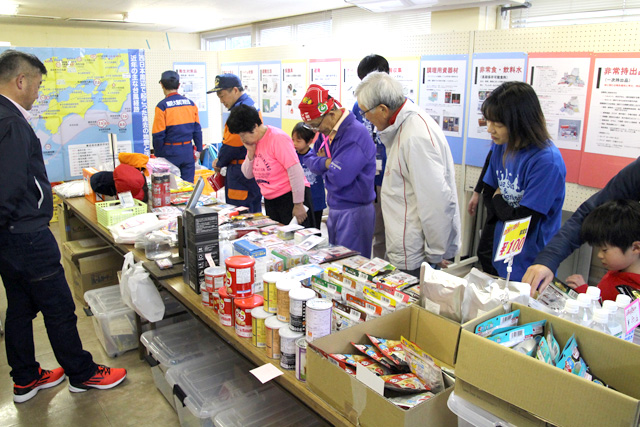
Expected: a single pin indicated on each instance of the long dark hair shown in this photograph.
(516, 105)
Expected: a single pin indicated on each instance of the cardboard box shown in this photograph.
(71, 228)
(360, 404)
(89, 264)
(525, 391)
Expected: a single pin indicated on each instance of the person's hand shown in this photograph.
(251, 150)
(327, 162)
(321, 152)
(473, 203)
(575, 280)
(497, 192)
(444, 263)
(299, 212)
(538, 276)
(214, 166)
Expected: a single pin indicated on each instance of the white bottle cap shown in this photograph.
(610, 305)
(571, 306)
(584, 300)
(593, 292)
(623, 300)
(601, 315)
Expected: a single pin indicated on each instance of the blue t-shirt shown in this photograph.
(533, 178)
(316, 182)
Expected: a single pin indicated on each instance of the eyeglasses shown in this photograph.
(370, 109)
(314, 128)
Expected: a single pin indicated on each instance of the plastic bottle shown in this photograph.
(570, 312)
(594, 294)
(600, 321)
(622, 301)
(614, 326)
(584, 313)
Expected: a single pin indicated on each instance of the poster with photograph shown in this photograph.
(270, 89)
(407, 72)
(488, 71)
(293, 88)
(250, 77)
(443, 81)
(326, 73)
(193, 85)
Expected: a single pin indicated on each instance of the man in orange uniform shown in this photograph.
(175, 125)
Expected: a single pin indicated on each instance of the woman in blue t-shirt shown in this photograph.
(526, 174)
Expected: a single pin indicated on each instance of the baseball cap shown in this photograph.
(316, 103)
(128, 178)
(103, 183)
(226, 81)
(170, 75)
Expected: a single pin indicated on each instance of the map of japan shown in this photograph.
(87, 95)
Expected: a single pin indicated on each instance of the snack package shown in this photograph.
(404, 383)
(391, 349)
(498, 324)
(343, 316)
(571, 361)
(399, 280)
(342, 365)
(442, 293)
(372, 309)
(554, 347)
(528, 346)
(543, 353)
(518, 334)
(555, 296)
(423, 365)
(409, 401)
(375, 354)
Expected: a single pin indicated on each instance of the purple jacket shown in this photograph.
(349, 179)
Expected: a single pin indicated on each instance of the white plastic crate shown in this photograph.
(177, 343)
(473, 416)
(113, 320)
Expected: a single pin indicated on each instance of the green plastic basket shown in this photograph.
(111, 216)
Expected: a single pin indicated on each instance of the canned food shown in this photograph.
(242, 308)
(240, 275)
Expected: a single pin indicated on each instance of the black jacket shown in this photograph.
(26, 201)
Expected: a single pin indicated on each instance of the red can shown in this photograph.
(215, 302)
(240, 275)
(214, 278)
(157, 191)
(243, 307)
(225, 307)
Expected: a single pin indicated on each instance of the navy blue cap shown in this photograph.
(226, 81)
(169, 76)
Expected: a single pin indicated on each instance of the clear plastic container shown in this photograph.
(594, 294)
(614, 327)
(600, 320)
(273, 407)
(470, 415)
(157, 246)
(113, 320)
(570, 312)
(584, 313)
(207, 386)
(623, 301)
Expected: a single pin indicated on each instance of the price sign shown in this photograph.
(512, 240)
(632, 315)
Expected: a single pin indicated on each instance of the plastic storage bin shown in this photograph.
(110, 213)
(204, 387)
(174, 312)
(113, 320)
(177, 343)
(273, 407)
(470, 415)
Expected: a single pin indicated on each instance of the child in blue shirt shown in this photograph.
(303, 138)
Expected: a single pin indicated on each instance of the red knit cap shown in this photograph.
(316, 103)
(128, 178)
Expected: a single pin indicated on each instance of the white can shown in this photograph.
(298, 298)
(272, 327)
(284, 286)
(288, 347)
(318, 318)
(214, 278)
(301, 359)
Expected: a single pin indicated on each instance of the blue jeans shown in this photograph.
(34, 281)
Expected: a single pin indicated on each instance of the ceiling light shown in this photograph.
(8, 8)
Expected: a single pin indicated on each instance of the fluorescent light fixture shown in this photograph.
(8, 8)
(404, 5)
(5, 44)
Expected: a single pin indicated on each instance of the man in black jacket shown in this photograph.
(29, 257)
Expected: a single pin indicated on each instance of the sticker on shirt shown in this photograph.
(510, 188)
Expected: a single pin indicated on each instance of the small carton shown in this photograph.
(89, 194)
(359, 403)
(526, 391)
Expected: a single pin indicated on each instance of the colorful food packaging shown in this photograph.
(423, 365)
(518, 334)
(391, 349)
(498, 324)
(404, 383)
(409, 401)
(373, 352)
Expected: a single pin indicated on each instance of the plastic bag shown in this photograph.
(139, 292)
(208, 156)
(129, 230)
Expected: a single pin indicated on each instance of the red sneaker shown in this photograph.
(22, 393)
(104, 378)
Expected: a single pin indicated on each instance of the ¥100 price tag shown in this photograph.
(632, 315)
(512, 239)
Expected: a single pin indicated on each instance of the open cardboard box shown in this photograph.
(360, 404)
(525, 391)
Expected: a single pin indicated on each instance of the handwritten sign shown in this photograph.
(512, 240)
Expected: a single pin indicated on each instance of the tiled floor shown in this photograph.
(134, 402)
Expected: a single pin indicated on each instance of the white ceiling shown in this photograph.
(189, 16)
